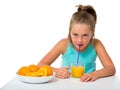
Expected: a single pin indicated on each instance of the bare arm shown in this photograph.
(48, 59)
(108, 66)
(51, 56)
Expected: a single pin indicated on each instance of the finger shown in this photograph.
(65, 71)
(68, 67)
(87, 79)
(59, 75)
(66, 74)
(83, 78)
(62, 76)
(92, 80)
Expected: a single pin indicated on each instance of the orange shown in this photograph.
(42, 71)
(49, 70)
(35, 74)
(33, 68)
(23, 70)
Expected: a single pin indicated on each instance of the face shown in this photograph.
(80, 35)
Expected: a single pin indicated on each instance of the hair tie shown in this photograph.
(81, 8)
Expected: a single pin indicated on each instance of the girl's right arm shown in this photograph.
(48, 59)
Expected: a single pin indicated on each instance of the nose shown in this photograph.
(80, 39)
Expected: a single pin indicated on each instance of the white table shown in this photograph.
(107, 83)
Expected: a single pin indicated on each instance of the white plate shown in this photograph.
(29, 79)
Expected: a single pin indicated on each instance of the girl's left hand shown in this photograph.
(88, 77)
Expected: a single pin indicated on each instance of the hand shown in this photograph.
(89, 77)
(62, 73)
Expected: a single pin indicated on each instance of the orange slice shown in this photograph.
(49, 70)
(42, 71)
(23, 70)
(33, 68)
(34, 74)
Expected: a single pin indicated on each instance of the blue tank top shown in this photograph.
(88, 57)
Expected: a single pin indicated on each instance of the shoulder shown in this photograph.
(62, 44)
(96, 41)
(98, 44)
(64, 40)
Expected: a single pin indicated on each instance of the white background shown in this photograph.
(30, 28)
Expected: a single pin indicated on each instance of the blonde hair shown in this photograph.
(85, 15)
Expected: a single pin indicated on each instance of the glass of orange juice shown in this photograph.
(77, 70)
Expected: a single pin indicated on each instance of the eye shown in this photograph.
(75, 34)
(85, 35)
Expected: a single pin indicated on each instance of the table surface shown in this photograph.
(107, 83)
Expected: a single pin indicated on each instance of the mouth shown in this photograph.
(80, 45)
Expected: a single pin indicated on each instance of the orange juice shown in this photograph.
(77, 71)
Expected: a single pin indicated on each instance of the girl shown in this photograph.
(81, 33)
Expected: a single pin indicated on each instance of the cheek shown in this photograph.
(73, 39)
(86, 41)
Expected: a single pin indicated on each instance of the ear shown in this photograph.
(92, 37)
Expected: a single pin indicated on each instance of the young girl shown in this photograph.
(81, 33)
